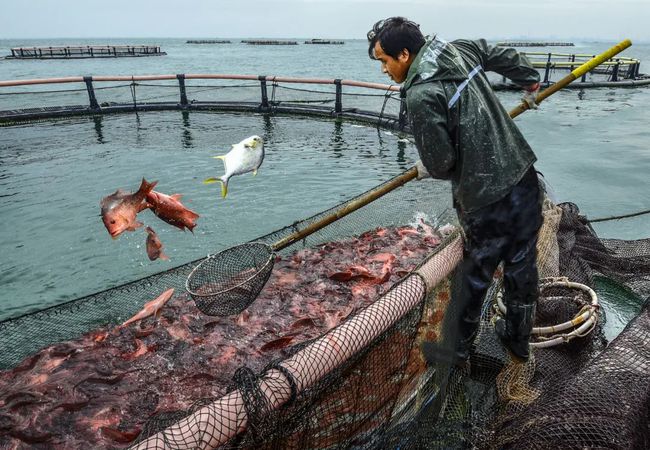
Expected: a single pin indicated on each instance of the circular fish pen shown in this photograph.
(618, 71)
(330, 354)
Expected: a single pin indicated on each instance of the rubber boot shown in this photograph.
(514, 331)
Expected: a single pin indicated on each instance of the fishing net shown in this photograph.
(329, 355)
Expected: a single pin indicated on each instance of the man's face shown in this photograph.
(395, 68)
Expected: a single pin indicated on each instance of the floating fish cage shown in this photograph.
(208, 41)
(615, 72)
(268, 42)
(324, 41)
(84, 51)
(329, 355)
(534, 44)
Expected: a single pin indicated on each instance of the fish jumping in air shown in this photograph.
(119, 209)
(154, 246)
(246, 156)
(170, 209)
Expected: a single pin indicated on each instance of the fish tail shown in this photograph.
(224, 187)
(146, 187)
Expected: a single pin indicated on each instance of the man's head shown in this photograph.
(395, 42)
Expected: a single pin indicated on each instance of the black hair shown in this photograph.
(394, 35)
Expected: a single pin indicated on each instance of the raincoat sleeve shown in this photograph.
(507, 62)
(427, 108)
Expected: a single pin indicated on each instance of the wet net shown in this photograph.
(329, 354)
(332, 359)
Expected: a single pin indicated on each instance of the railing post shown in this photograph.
(181, 86)
(265, 96)
(615, 71)
(91, 93)
(403, 113)
(338, 104)
(548, 68)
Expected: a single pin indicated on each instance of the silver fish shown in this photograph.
(246, 156)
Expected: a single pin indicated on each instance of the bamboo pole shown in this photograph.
(577, 73)
(366, 198)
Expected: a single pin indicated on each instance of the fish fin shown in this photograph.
(210, 180)
(163, 257)
(222, 158)
(224, 188)
(136, 225)
(254, 172)
(176, 196)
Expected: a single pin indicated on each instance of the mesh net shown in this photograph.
(329, 355)
(342, 367)
(228, 282)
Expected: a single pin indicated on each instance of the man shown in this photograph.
(463, 134)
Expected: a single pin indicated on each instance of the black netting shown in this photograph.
(329, 353)
(228, 282)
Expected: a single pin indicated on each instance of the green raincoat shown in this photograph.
(461, 130)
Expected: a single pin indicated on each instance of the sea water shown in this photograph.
(592, 146)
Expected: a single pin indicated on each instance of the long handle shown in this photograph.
(574, 75)
(363, 200)
(412, 173)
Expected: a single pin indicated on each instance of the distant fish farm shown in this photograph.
(84, 51)
(208, 41)
(266, 42)
(324, 41)
(535, 44)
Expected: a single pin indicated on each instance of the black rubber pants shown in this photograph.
(503, 231)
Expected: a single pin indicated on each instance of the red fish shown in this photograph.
(171, 210)
(154, 246)
(120, 208)
(151, 308)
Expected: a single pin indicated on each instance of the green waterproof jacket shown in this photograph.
(461, 130)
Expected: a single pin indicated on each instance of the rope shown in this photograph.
(624, 216)
(313, 91)
(133, 84)
(387, 96)
(60, 90)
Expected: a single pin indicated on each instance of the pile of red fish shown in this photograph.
(99, 390)
(119, 211)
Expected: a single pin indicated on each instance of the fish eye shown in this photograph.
(113, 221)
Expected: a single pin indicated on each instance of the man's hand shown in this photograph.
(530, 92)
(422, 171)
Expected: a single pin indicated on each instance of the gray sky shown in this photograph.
(492, 19)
